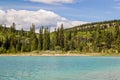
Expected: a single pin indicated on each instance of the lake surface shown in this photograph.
(59, 68)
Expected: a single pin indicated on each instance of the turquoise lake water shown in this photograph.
(59, 68)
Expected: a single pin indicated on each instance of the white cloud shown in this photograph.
(2, 16)
(68, 24)
(53, 1)
(24, 19)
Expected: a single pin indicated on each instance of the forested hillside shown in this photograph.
(97, 37)
(93, 37)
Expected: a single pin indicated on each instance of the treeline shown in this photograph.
(97, 37)
(90, 39)
(104, 24)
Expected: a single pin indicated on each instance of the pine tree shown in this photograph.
(61, 36)
(58, 37)
(40, 41)
(34, 40)
(66, 45)
(54, 40)
(48, 39)
(45, 39)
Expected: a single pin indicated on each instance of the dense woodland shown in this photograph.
(100, 37)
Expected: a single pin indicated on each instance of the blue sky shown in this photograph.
(53, 13)
(82, 10)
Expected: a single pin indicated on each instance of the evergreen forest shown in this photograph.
(98, 37)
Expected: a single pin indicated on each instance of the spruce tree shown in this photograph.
(40, 40)
(61, 34)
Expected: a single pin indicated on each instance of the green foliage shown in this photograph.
(40, 39)
(92, 37)
(2, 50)
(57, 48)
(46, 39)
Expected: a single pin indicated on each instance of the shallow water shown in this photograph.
(59, 68)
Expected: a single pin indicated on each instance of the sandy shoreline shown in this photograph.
(48, 54)
(57, 54)
(45, 55)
